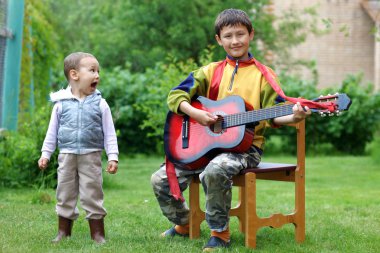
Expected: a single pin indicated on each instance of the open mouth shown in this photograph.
(94, 84)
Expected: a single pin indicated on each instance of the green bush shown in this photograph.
(350, 132)
(355, 128)
(20, 151)
(123, 91)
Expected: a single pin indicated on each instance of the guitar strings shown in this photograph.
(247, 117)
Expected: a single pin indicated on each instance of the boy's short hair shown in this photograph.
(232, 17)
(72, 62)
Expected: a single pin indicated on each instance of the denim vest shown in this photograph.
(80, 125)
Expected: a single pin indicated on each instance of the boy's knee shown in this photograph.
(211, 175)
(157, 181)
(154, 179)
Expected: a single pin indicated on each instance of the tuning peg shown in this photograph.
(322, 114)
(331, 114)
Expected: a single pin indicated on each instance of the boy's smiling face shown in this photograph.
(235, 41)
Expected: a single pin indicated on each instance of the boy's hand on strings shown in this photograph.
(112, 167)
(43, 163)
(203, 117)
(300, 113)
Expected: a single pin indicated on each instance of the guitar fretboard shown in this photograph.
(244, 118)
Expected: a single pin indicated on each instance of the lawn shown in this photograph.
(342, 213)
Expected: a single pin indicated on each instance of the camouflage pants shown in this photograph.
(217, 185)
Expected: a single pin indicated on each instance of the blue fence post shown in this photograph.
(31, 55)
(12, 65)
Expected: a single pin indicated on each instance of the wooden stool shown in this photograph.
(249, 222)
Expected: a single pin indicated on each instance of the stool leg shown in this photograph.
(250, 210)
(300, 207)
(242, 218)
(196, 214)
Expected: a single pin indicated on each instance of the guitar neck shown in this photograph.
(244, 118)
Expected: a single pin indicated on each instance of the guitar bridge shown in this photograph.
(185, 132)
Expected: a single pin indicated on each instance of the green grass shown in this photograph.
(342, 213)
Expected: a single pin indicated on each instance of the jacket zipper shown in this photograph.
(233, 75)
(80, 107)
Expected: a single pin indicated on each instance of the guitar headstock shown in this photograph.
(341, 101)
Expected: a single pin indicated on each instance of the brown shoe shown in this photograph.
(64, 229)
(97, 230)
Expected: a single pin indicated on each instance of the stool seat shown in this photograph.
(270, 167)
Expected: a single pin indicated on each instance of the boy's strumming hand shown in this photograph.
(43, 163)
(112, 167)
(203, 117)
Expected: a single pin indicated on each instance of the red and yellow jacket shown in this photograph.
(237, 77)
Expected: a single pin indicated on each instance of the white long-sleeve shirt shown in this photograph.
(110, 139)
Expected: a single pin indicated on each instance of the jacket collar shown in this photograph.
(64, 94)
(242, 63)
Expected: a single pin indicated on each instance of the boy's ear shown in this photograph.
(252, 34)
(218, 40)
(73, 74)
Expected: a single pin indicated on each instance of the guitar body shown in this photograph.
(191, 145)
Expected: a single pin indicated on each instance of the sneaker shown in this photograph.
(214, 243)
(172, 232)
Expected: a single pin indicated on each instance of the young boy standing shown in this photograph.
(81, 123)
(237, 75)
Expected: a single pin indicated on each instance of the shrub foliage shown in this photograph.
(351, 131)
(20, 151)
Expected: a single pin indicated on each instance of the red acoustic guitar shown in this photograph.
(189, 144)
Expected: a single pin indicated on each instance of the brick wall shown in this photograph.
(336, 53)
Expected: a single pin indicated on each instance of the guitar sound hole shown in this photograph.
(218, 126)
